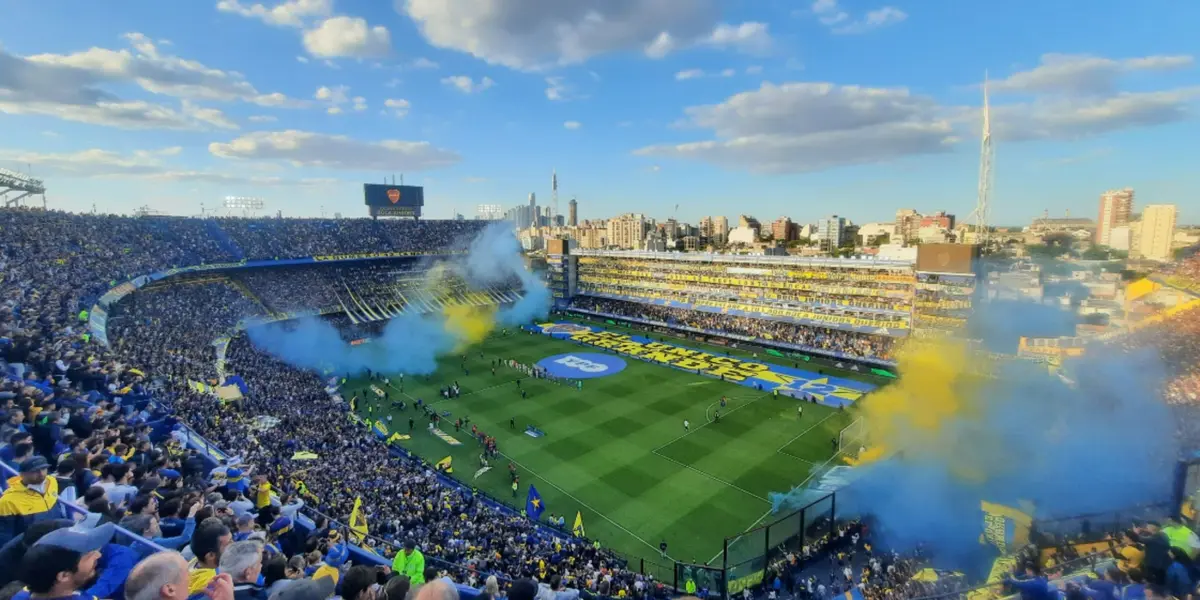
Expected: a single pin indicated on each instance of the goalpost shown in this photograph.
(852, 436)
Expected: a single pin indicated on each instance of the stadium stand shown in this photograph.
(126, 435)
(843, 308)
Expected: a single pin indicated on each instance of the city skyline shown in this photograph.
(776, 108)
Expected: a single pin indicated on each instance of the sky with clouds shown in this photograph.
(768, 107)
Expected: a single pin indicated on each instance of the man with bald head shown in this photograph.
(162, 576)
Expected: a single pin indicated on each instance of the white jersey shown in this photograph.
(686, 425)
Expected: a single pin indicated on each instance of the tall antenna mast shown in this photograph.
(553, 196)
(985, 173)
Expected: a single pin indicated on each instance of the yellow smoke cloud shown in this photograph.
(933, 407)
(469, 324)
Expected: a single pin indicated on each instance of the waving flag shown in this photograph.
(358, 522)
(578, 528)
(533, 504)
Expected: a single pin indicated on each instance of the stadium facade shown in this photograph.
(843, 308)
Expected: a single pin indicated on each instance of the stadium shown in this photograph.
(407, 392)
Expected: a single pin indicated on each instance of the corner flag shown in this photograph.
(578, 528)
(358, 522)
(533, 504)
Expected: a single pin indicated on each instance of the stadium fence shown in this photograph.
(747, 557)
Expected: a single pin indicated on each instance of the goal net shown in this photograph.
(852, 436)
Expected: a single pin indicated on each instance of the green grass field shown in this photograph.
(616, 450)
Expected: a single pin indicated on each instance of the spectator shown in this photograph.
(209, 541)
(243, 562)
(161, 576)
(30, 497)
(410, 562)
(62, 562)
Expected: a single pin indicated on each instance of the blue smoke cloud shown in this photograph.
(411, 344)
(495, 258)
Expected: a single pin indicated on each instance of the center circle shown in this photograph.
(582, 365)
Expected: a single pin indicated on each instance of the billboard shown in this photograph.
(394, 200)
(947, 258)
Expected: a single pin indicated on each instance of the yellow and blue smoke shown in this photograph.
(963, 429)
(412, 343)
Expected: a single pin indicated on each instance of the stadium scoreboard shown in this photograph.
(394, 200)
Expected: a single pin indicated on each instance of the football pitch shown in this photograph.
(616, 450)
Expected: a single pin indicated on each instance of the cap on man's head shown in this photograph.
(79, 540)
(168, 474)
(306, 589)
(523, 589)
(36, 463)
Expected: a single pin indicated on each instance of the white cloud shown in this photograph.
(557, 89)
(423, 63)
(347, 36)
(72, 88)
(535, 34)
(1059, 118)
(699, 73)
(398, 106)
(838, 21)
(209, 116)
(807, 126)
(475, 179)
(293, 13)
(572, 125)
(334, 97)
(466, 85)
(160, 73)
(754, 70)
(798, 127)
(96, 163)
(749, 37)
(308, 149)
(302, 60)
(1083, 74)
(262, 119)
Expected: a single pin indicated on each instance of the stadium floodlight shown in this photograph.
(16, 187)
(248, 205)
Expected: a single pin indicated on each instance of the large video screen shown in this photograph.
(394, 200)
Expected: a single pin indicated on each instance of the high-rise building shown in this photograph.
(829, 233)
(627, 231)
(1156, 232)
(573, 210)
(489, 212)
(1115, 208)
(908, 224)
(784, 230)
(938, 219)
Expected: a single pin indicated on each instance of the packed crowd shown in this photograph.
(764, 331)
(59, 415)
(291, 238)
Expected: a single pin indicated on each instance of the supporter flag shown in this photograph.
(358, 522)
(533, 504)
(445, 465)
(305, 455)
(1005, 527)
(578, 528)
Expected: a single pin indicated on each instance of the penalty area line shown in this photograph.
(803, 433)
(707, 423)
(581, 503)
(712, 477)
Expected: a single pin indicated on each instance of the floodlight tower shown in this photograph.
(986, 152)
(247, 204)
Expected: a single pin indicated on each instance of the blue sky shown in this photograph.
(765, 107)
